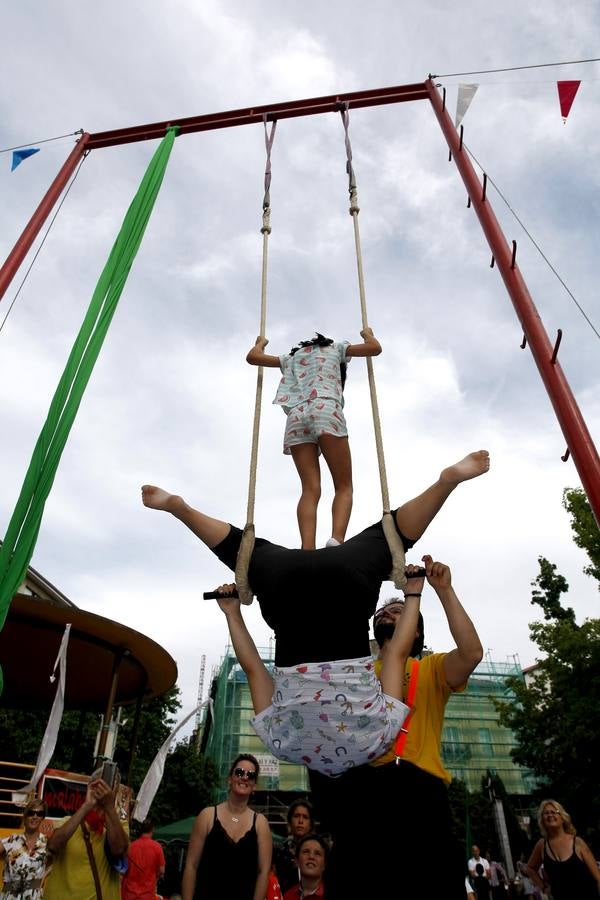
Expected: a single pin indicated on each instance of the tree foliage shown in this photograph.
(474, 822)
(187, 786)
(188, 781)
(585, 529)
(158, 718)
(556, 719)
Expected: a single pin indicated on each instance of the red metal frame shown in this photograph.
(31, 230)
(571, 421)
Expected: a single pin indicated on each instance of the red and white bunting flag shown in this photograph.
(466, 92)
(566, 95)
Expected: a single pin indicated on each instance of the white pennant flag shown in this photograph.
(466, 92)
(154, 775)
(51, 734)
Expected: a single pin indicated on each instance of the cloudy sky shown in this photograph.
(171, 398)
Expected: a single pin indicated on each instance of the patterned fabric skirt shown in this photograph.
(329, 716)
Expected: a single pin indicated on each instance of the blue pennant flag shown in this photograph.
(19, 155)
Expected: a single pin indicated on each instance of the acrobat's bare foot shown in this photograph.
(471, 466)
(156, 498)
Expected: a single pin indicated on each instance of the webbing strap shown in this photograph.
(410, 701)
(247, 543)
(393, 538)
(21, 535)
(90, 855)
(269, 138)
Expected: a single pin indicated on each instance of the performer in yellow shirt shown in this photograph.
(410, 831)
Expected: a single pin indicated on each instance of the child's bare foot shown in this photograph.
(156, 498)
(471, 466)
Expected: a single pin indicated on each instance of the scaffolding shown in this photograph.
(229, 731)
(473, 741)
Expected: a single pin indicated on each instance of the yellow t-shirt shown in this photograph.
(71, 875)
(422, 747)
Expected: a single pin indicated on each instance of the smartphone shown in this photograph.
(108, 772)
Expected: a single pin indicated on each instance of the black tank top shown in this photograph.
(227, 868)
(569, 878)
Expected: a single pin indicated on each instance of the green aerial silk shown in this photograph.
(21, 536)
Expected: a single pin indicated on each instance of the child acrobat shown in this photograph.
(328, 716)
(311, 395)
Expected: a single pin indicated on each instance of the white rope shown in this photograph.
(393, 538)
(247, 543)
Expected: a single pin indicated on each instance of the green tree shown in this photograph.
(474, 821)
(21, 733)
(157, 720)
(556, 719)
(585, 529)
(188, 785)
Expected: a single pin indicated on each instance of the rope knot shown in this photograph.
(266, 225)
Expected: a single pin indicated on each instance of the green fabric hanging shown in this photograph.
(21, 536)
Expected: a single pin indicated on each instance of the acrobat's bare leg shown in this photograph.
(414, 516)
(336, 451)
(210, 531)
(306, 459)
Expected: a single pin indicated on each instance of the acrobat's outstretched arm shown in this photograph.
(460, 662)
(371, 346)
(259, 679)
(256, 356)
(400, 644)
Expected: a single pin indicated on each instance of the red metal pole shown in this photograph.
(254, 114)
(21, 248)
(572, 423)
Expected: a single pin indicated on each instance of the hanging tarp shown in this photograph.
(21, 535)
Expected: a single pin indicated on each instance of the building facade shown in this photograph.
(473, 741)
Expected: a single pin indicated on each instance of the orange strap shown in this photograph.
(410, 701)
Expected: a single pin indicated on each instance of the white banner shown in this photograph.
(154, 775)
(51, 734)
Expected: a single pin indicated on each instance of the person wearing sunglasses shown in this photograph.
(25, 856)
(407, 785)
(230, 849)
